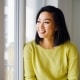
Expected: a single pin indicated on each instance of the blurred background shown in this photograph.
(17, 26)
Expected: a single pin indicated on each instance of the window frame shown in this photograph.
(20, 24)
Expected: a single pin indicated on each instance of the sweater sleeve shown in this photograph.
(73, 63)
(28, 68)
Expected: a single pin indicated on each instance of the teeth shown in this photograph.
(41, 31)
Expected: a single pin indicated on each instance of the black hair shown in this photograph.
(61, 35)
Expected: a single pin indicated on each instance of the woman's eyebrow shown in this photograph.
(45, 19)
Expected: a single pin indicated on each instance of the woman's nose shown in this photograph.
(41, 25)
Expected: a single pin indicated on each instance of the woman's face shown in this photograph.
(45, 25)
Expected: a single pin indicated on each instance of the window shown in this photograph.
(9, 39)
(14, 20)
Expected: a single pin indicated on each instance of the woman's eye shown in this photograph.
(46, 22)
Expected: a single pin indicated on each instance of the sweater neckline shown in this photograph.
(48, 49)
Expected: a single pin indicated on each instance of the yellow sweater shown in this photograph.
(59, 63)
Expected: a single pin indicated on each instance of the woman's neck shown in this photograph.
(47, 43)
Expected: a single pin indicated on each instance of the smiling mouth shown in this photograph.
(41, 31)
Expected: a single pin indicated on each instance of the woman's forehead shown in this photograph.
(46, 15)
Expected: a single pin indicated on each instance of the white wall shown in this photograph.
(1, 40)
(71, 9)
(51, 2)
(66, 7)
(76, 22)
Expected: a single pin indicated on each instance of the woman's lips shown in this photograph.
(41, 31)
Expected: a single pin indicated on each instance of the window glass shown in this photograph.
(31, 11)
(9, 39)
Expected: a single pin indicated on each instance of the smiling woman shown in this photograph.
(52, 43)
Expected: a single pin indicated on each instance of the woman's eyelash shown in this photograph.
(46, 22)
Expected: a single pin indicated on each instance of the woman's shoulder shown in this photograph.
(70, 44)
(30, 44)
(71, 47)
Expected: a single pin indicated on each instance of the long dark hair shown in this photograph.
(61, 35)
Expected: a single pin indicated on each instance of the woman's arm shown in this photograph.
(73, 63)
(28, 68)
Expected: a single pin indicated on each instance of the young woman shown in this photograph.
(51, 56)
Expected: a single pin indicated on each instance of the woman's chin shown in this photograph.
(41, 36)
